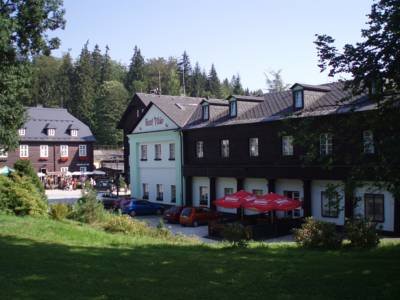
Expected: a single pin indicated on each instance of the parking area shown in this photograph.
(200, 232)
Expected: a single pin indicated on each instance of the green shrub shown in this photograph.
(318, 234)
(125, 224)
(18, 195)
(361, 233)
(59, 211)
(87, 209)
(25, 168)
(236, 234)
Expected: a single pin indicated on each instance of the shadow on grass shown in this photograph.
(32, 270)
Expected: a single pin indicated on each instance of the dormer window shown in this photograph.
(74, 132)
(206, 112)
(51, 131)
(233, 108)
(21, 132)
(298, 98)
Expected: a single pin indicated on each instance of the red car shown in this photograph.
(194, 216)
(172, 214)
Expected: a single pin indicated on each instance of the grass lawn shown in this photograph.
(44, 259)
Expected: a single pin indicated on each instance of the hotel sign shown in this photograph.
(153, 121)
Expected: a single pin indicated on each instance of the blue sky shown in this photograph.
(246, 37)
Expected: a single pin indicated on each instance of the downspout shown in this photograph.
(182, 161)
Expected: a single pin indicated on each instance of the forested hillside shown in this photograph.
(96, 89)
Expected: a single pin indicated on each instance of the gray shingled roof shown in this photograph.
(40, 118)
(330, 99)
(178, 108)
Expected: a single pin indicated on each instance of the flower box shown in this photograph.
(63, 159)
(83, 158)
(43, 158)
(24, 158)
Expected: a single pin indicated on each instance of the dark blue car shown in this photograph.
(142, 207)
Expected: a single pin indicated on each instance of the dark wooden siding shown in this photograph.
(270, 163)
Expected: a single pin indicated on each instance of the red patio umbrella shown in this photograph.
(272, 201)
(235, 200)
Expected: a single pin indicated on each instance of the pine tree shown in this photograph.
(172, 85)
(226, 89)
(198, 82)
(105, 72)
(135, 77)
(84, 89)
(64, 80)
(44, 88)
(213, 83)
(111, 104)
(275, 82)
(185, 73)
(97, 64)
(237, 88)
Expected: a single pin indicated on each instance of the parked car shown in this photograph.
(104, 184)
(195, 216)
(172, 214)
(142, 207)
(109, 200)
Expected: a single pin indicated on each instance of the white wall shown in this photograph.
(251, 184)
(154, 120)
(220, 184)
(368, 188)
(197, 182)
(318, 186)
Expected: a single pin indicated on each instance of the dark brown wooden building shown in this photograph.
(246, 143)
(54, 141)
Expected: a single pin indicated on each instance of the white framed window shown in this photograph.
(82, 169)
(298, 99)
(204, 195)
(21, 132)
(225, 148)
(64, 150)
(23, 151)
(295, 195)
(206, 112)
(329, 205)
(44, 151)
(74, 132)
(171, 151)
(287, 145)
(173, 193)
(157, 151)
(326, 145)
(228, 191)
(374, 207)
(51, 131)
(253, 147)
(233, 108)
(143, 152)
(368, 141)
(145, 191)
(257, 192)
(199, 149)
(3, 153)
(64, 170)
(160, 192)
(82, 150)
